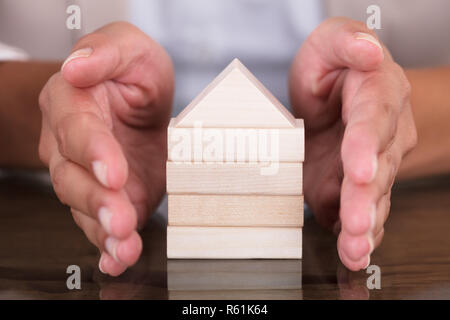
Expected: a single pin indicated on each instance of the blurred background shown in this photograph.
(203, 36)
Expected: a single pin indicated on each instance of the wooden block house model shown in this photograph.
(234, 174)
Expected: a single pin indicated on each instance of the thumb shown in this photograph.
(139, 66)
(335, 45)
(110, 53)
(343, 43)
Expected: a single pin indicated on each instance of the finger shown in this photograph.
(354, 262)
(47, 142)
(359, 202)
(383, 208)
(355, 247)
(92, 230)
(407, 132)
(109, 266)
(125, 251)
(358, 207)
(123, 53)
(371, 123)
(75, 187)
(83, 132)
(362, 263)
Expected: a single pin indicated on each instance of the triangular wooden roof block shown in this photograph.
(235, 99)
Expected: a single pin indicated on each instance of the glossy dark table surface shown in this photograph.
(38, 241)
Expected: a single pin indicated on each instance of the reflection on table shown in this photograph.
(234, 279)
(39, 240)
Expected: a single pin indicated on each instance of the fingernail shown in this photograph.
(100, 171)
(104, 216)
(111, 246)
(373, 217)
(374, 167)
(368, 37)
(368, 262)
(81, 53)
(100, 264)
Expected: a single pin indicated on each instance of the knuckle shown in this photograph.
(60, 135)
(410, 136)
(352, 26)
(43, 152)
(389, 158)
(413, 139)
(92, 203)
(43, 100)
(385, 110)
(83, 120)
(358, 25)
(58, 181)
(99, 241)
(388, 203)
(392, 162)
(90, 39)
(404, 84)
(122, 24)
(76, 217)
(355, 136)
(46, 94)
(69, 126)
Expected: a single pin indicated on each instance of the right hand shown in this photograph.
(104, 137)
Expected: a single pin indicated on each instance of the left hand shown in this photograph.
(355, 101)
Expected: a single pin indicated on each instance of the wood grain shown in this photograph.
(233, 243)
(235, 210)
(233, 178)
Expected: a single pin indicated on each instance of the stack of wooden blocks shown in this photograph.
(234, 174)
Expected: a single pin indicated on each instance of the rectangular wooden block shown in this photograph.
(233, 243)
(242, 144)
(199, 275)
(235, 210)
(285, 178)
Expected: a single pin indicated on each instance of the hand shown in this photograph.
(104, 137)
(355, 102)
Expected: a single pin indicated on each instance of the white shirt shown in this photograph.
(203, 36)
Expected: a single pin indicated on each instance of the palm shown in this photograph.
(323, 173)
